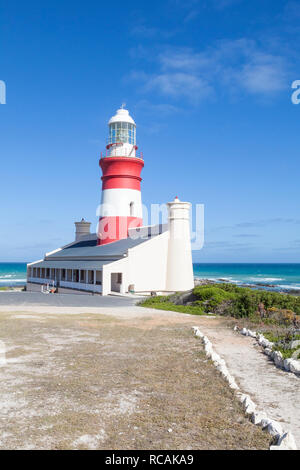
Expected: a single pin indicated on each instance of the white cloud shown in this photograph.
(180, 84)
(147, 107)
(240, 66)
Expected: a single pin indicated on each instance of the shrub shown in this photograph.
(211, 297)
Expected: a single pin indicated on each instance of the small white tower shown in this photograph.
(179, 264)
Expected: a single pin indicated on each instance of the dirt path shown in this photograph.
(274, 391)
(119, 378)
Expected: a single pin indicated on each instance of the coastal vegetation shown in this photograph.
(259, 306)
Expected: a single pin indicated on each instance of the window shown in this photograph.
(131, 205)
(121, 132)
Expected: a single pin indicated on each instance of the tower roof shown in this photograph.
(122, 115)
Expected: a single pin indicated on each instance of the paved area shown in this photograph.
(274, 391)
(21, 299)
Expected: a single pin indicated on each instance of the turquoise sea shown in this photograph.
(280, 276)
(12, 274)
(273, 276)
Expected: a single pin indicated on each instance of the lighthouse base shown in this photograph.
(111, 229)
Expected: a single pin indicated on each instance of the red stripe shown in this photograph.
(118, 182)
(121, 172)
(111, 229)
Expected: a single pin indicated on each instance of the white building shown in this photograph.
(139, 259)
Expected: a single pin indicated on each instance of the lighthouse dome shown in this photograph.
(122, 115)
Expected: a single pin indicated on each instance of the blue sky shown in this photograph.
(209, 85)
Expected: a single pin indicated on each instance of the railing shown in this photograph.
(68, 284)
(81, 286)
(40, 280)
(133, 155)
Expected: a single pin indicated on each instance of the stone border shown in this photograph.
(288, 365)
(284, 440)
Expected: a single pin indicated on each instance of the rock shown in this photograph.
(295, 366)
(278, 359)
(233, 386)
(235, 328)
(295, 344)
(244, 332)
(257, 418)
(268, 352)
(250, 409)
(224, 371)
(260, 338)
(252, 334)
(249, 406)
(265, 422)
(242, 397)
(232, 383)
(286, 442)
(286, 364)
(216, 358)
(274, 429)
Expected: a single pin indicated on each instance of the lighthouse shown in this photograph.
(121, 202)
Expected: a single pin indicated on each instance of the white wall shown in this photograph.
(148, 264)
(120, 266)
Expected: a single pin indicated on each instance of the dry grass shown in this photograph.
(92, 381)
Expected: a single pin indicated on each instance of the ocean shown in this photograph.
(12, 274)
(273, 276)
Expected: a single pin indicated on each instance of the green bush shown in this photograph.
(210, 297)
(229, 299)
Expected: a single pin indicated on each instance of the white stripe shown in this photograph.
(116, 202)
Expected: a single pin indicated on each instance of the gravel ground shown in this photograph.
(112, 378)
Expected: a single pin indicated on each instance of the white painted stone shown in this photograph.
(278, 359)
(248, 405)
(257, 418)
(286, 364)
(244, 332)
(265, 422)
(268, 352)
(295, 366)
(286, 442)
(232, 383)
(274, 428)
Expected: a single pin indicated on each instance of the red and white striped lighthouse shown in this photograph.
(121, 202)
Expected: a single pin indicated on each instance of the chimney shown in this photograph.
(180, 275)
(82, 229)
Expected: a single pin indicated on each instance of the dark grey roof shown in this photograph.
(63, 264)
(116, 250)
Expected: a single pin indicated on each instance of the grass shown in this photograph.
(164, 303)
